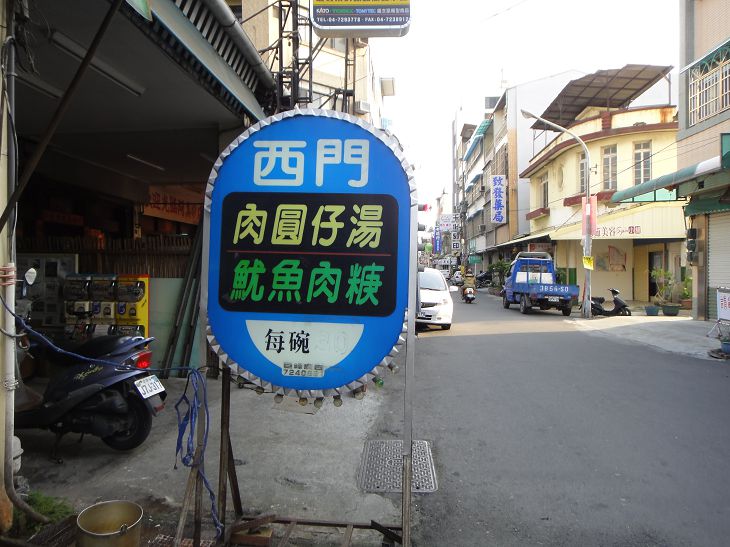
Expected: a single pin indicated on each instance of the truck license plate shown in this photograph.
(553, 299)
(149, 386)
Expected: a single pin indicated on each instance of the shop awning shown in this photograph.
(705, 206)
(473, 180)
(660, 220)
(529, 237)
(477, 137)
(660, 184)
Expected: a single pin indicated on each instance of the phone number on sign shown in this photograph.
(306, 370)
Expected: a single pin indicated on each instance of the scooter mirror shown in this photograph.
(30, 276)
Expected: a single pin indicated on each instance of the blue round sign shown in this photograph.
(309, 214)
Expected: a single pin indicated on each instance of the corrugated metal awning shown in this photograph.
(665, 181)
(705, 206)
(529, 237)
(477, 137)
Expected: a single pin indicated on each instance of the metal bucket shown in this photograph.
(110, 524)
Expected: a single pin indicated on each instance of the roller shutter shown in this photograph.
(718, 253)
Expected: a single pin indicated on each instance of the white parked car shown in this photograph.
(437, 307)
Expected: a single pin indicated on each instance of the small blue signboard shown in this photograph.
(309, 215)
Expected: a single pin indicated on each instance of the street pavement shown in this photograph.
(302, 462)
(680, 334)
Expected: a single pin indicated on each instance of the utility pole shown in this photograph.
(588, 236)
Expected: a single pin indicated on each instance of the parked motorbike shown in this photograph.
(468, 295)
(483, 280)
(111, 395)
(619, 306)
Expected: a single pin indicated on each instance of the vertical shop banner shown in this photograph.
(308, 260)
(498, 189)
(437, 238)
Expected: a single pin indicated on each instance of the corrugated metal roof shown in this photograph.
(614, 88)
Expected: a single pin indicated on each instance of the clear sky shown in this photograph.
(459, 51)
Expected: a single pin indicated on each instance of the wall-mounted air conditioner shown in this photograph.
(482, 228)
(362, 107)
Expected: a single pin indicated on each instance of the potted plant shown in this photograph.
(665, 283)
(686, 300)
(498, 269)
(725, 343)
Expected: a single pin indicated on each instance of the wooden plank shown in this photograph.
(254, 523)
(287, 534)
(347, 538)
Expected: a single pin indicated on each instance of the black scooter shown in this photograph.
(619, 306)
(111, 395)
(483, 279)
(115, 402)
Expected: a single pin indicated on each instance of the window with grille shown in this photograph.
(582, 171)
(544, 191)
(609, 167)
(642, 162)
(709, 86)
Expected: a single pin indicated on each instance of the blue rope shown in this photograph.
(186, 422)
(43, 339)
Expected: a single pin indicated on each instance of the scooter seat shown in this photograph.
(598, 299)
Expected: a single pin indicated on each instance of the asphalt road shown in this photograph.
(542, 434)
(545, 435)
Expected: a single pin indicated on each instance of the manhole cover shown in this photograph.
(382, 467)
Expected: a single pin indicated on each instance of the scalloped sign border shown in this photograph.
(347, 349)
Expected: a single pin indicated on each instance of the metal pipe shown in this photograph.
(10, 384)
(223, 13)
(409, 379)
(11, 136)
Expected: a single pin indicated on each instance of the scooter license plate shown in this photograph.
(149, 386)
(553, 299)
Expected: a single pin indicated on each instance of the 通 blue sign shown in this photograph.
(309, 220)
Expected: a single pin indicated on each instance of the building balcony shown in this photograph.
(573, 200)
(605, 195)
(537, 213)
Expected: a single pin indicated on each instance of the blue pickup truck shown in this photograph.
(531, 282)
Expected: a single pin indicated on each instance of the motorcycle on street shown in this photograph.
(468, 295)
(102, 387)
(483, 280)
(619, 306)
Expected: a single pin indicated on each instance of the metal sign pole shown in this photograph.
(409, 380)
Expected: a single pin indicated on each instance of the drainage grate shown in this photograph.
(382, 467)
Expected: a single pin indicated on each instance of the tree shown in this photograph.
(498, 269)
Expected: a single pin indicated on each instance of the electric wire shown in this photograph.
(689, 148)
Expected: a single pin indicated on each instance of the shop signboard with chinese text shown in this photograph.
(309, 219)
(723, 303)
(361, 18)
(498, 190)
(447, 222)
(437, 238)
